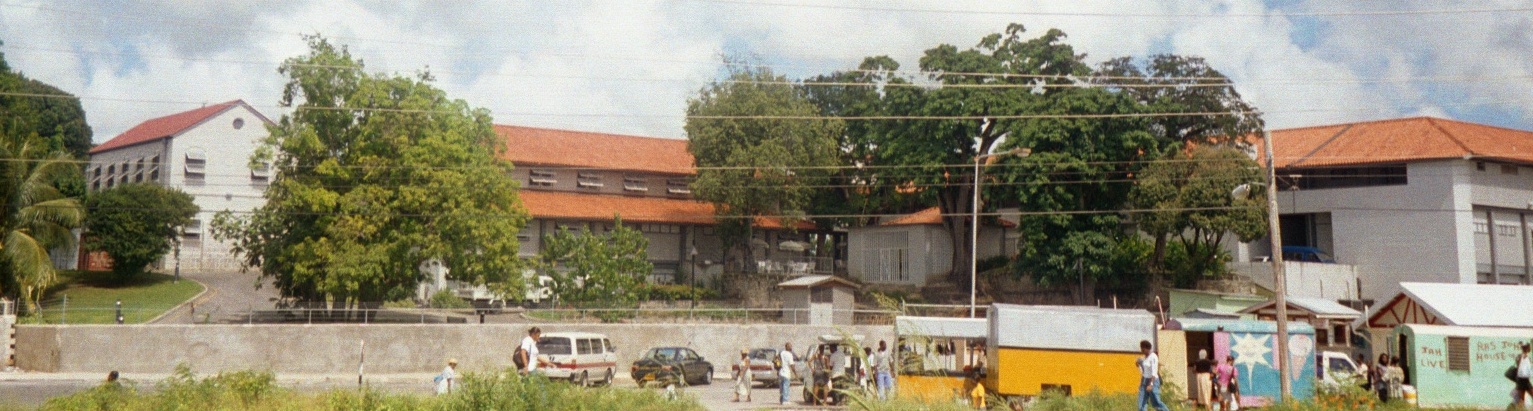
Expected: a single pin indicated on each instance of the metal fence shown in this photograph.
(63, 314)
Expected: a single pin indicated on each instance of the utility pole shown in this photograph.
(1280, 280)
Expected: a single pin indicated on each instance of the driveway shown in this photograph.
(229, 298)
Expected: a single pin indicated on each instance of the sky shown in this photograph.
(629, 66)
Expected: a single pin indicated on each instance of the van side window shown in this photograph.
(607, 344)
(584, 345)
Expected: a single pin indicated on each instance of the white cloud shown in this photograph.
(638, 61)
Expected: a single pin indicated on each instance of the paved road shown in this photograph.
(229, 297)
(31, 390)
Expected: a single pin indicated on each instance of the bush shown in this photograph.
(252, 390)
(676, 292)
(446, 299)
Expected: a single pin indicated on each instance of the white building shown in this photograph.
(915, 249)
(1408, 200)
(204, 152)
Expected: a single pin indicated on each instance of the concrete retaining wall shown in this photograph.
(335, 349)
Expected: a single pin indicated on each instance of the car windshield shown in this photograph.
(763, 354)
(663, 354)
(554, 346)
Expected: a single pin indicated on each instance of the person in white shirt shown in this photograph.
(1149, 377)
(785, 369)
(882, 372)
(528, 351)
(445, 382)
(1524, 372)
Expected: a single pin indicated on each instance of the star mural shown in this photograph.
(1250, 350)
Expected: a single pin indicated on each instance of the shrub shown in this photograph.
(676, 292)
(446, 299)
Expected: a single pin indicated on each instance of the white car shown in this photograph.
(582, 358)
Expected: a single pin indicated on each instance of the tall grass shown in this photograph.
(257, 391)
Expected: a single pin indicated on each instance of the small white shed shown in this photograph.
(818, 300)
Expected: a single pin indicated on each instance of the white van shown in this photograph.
(582, 358)
(1330, 367)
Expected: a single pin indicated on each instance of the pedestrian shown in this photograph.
(785, 362)
(1228, 376)
(1380, 378)
(445, 382)
(743, 379)
(865, 369)
(527, 353)
(1203, 370)
(1363, 371)
(883, 370)
(1524, 372)
(1396, 378)
(1149, 377)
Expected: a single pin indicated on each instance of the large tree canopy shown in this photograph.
(982, 94)
(376, 173)
(136, 224)
(1190, 195)
(759, 149)
(29, 106)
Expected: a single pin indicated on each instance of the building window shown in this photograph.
(677, 187)
(1481, 227)
(822, 295)
(1458, 354)
(260, 174)
(588, 179)
(660, 228)
(239, 123)
(1508, 169)
(1343, 177)
(542, 178)
(1479, 165)
(1506, 230)
(192, 230)
(196, 166)
(634, 184)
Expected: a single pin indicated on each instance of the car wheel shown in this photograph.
(585, 379)
(607, 381)
(641, 383)
(708, 377)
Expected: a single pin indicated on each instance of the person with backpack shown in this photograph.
(526, 355)
(448, 378)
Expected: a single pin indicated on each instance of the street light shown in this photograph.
(1279, 279)
(974, 224)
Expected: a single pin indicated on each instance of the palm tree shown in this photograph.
(35, 215)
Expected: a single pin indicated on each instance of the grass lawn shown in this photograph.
(93, 296)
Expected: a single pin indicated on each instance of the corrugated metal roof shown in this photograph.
(1246, 326)
(1481, 305)
(1070, 328)
(1319, 306)
(942, 327)
(815, 281)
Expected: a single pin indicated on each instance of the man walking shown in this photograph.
(1524, 372)
(881, 370)
(785, 370)
(1149, 377)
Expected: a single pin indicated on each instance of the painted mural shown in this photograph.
(1476, 380)
(1256, 359)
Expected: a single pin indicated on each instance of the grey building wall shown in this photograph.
(336, 349)
(911, 254)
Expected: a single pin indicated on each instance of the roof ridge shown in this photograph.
(668, 139)
(1451, 136)
(1356, 123)
(1321, 146)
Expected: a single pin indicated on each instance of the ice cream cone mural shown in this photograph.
(1300, 348)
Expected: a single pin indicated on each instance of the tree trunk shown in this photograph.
(956, 208)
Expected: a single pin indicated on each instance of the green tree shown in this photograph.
(1169, 83)
(374, 174)
(597, 268)
(136, 224)
(35, 216)
(752, 162)
(30, 106)
(1190, 195)
(1072, 187)
(981, 92)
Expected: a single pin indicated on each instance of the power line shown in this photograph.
(1138, 15)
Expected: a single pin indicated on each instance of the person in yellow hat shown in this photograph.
(446, 381)
(743, 378)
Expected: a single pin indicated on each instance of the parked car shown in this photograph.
(1331, 367)
(1306, 254)
(578, 357)
(763, 366)
(672, 364)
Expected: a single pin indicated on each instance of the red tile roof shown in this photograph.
(549, 147)
(602, 207)
(164, 127)
(930, 216)
(1397, 141)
